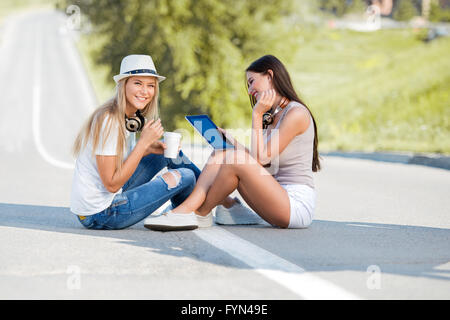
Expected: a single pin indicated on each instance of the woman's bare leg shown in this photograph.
(205, 180)
(262, 192)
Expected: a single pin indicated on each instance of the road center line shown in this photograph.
(283, 272)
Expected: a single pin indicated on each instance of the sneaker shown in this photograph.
(206, 221)
(203, 221)
(170, 221)
(236, 214)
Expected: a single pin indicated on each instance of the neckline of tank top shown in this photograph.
(284, 110)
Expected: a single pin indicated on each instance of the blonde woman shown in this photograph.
(112, 184)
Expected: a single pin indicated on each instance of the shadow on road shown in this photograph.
(324, 246)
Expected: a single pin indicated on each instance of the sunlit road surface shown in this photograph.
(381, 230)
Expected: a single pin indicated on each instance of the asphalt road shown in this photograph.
(381, 230)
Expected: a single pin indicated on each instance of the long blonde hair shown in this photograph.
(114, 108)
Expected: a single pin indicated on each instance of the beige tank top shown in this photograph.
(295, 162)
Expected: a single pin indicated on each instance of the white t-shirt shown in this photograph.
(89, 196)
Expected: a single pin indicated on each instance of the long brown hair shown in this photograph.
(283, 85)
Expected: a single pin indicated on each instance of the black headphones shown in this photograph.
(267, 118)
(136, 123)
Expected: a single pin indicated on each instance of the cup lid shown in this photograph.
(172, 135)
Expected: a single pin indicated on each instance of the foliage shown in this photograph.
(385, 90)
(439, 14)
(201, 46)
(341, 7)
(404, 10)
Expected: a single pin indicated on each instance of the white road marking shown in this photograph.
(285, 273)
(368, 226)
(36, 112)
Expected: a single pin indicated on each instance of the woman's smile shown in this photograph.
(142, 99)
(254, 93)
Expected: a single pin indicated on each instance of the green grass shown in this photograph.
(377, 91)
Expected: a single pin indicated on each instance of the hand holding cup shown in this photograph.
(172, 141)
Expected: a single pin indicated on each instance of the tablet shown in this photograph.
(204, 125)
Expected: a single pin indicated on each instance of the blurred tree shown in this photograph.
(358, 6)
(437, 13)
(341, 7)
(404, 10)
(336, 7)
(201, 46)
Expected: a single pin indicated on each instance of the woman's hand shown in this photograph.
(227, 136)
(231, 139)
(265, 101)
(156, 147)
(152, 131)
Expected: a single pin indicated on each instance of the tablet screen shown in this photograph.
(204, 125)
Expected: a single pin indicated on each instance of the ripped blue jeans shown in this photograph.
(141, 195)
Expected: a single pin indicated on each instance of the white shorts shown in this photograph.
(303, 202)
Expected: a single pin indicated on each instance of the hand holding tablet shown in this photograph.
(207, 128)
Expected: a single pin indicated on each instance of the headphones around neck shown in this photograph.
(268, 117)
(136, 123)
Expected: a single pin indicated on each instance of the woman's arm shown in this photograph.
(296, 121)
(257, 140)
(114, 179)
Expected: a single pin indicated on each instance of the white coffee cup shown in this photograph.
(172, 141)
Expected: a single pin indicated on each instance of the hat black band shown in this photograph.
(137, 71)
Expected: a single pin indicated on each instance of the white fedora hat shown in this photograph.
(137, 65)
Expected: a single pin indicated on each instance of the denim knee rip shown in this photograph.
(118, 200)
(175, 174)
